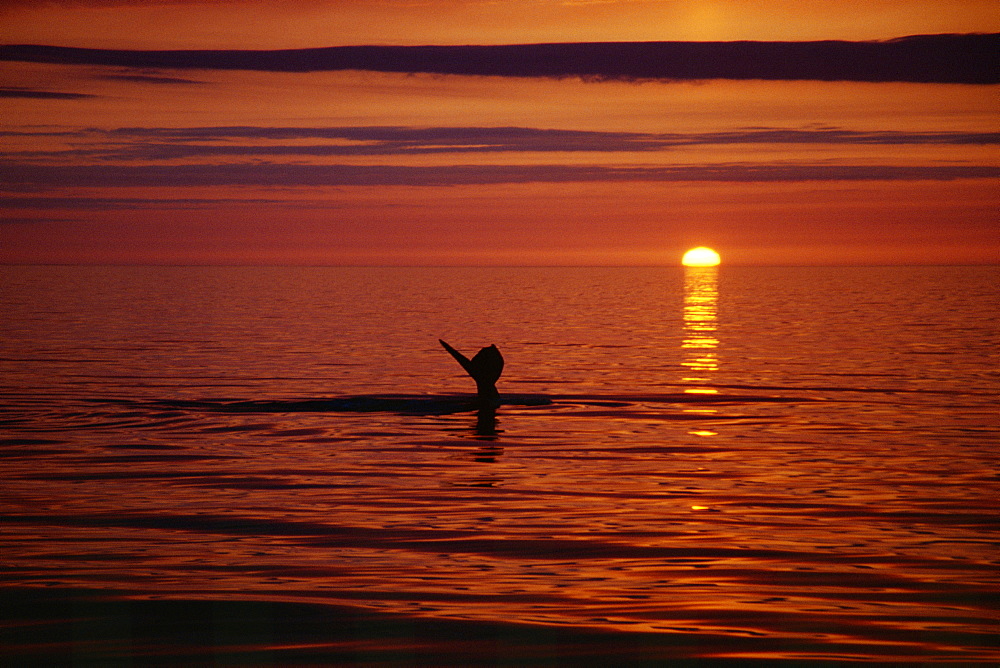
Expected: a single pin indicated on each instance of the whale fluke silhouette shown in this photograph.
(485, 368)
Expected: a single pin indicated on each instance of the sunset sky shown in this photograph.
(533, 155)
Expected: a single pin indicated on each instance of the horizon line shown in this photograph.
(485, 266)
(389, 45)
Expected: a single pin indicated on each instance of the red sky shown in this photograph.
(234, 24)
(129, 164)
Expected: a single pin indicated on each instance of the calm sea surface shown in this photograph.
(270, 465)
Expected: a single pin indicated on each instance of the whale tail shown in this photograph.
(485, 368)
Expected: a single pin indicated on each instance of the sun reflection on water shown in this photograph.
(700, 343)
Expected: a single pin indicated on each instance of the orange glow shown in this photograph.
(257, 24)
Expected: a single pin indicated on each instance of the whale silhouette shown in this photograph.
(485, 368)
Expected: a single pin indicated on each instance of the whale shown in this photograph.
(485, 368)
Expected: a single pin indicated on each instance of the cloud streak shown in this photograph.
(968, 59)
(208, 142)
(31, 93)
(148, 79)
(132, 203)
(33, 177)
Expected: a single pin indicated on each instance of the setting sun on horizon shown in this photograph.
(701, 257)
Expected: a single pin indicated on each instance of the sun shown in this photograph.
(700, 257)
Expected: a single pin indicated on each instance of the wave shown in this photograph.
(445, 404)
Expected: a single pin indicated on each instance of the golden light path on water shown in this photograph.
(700, 342)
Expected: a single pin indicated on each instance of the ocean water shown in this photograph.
(235, 465)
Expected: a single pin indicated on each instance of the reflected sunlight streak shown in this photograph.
(701, 297)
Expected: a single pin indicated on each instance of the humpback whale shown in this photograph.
(485, 368)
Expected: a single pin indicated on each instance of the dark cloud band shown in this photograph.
(30, 93)
(28, 177)
(967, 59)
(254, 142)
